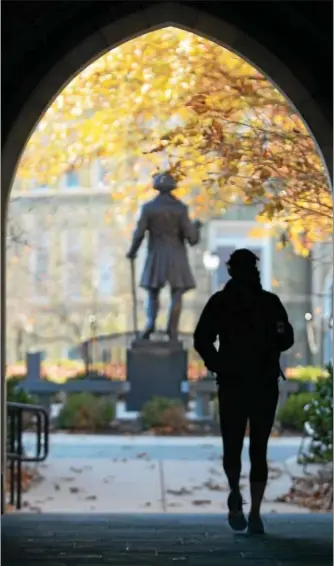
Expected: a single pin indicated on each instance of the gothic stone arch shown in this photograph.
(46, 44)
(109, 35)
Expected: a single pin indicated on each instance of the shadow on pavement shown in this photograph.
(68, 540)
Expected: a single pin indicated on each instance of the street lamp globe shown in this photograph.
(211, 261)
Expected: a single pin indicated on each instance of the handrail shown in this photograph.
(15, 449)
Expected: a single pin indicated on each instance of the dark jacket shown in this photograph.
(252, 327)
(169, 228)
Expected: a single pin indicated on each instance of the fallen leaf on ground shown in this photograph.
(181, 491)
(274, 473)
(314, 493)
(143, 455)
(213, 486)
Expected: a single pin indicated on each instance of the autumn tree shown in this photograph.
(171, 99)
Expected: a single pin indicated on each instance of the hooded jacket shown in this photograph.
(252, 328)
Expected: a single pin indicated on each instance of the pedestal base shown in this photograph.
(155, 369)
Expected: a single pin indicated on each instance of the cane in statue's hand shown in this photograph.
(132, 259)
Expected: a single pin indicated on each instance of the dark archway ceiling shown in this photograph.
(36, 34)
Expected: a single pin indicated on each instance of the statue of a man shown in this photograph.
(166, 220)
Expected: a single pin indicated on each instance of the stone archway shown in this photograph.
(96, 40)
(138, 23)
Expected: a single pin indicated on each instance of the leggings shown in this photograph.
(237, 406)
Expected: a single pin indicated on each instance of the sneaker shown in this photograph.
(236, 517)
(255, 525)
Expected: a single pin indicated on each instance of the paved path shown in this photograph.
(197, 540)
(151, 475)
(64, 446)
(144, 485)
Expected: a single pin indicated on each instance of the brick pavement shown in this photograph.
(159, 540)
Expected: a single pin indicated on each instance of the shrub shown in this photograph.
(84, 411)
(161, 412)
(292, 415)
(175, 418)
(15, 394)
(319, 414)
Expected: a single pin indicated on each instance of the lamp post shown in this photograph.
(211, 263)
(27, 327)
(315, 333)
(328, 341)
(93, 317)
(19, 343)
(93, 332)
(313, 339)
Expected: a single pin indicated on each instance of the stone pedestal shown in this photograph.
(34, 360)
(155, 369)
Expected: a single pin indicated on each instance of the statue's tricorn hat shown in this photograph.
(164, 182)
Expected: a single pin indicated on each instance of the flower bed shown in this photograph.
(62, 370)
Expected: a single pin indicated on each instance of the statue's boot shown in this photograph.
(151, 313)
(174, 314)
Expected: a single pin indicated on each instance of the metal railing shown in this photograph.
(17, 414)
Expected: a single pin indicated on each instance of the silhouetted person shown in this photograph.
(253, 329)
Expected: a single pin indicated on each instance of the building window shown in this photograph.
(73, 353)
(71, 179)
(40, 267)
(224, 253)
(221, 275)
(99, 173)
(102, 174)
(227, 236)
(104, 264)
(71, 264)
(327, 352)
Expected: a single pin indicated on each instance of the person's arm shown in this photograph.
(139, 234)
(191, 231)
(285, 333)
(206, 333)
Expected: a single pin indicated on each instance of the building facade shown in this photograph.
(320, 317)
(67, 276)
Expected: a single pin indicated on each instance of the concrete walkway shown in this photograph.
(149, 475)
(196, 540)
(146, 486)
